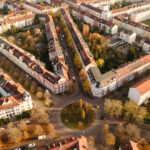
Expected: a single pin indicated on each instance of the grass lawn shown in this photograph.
(72, 117)
(146, 22)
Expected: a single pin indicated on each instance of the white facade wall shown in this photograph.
(145, 47)
(140, 16)
(55, 88)
(137, 30)
(136, 97)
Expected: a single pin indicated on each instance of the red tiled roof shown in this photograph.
(142, 86)
(123, 71)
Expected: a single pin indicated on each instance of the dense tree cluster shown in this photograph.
(130, 111)
(14, 134)
(25, 80)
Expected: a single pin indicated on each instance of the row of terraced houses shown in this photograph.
(27, 62)
(102, 83)
(15, 99)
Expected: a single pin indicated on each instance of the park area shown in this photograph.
(31, 39)
(78, 115)
(146, 22)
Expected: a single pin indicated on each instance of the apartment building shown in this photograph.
(141, 15)
(69, 143)
(103, 14)
(102, 83)
(38, 1)
(2, 4)
(140, 91)
(55, 52)
(128, 36)
(36, 8)
(130, 9)
(142, 30)
(15, 99)
(13, 6)
(101, 24)
(27, 62)
(18, 19)
(145, 44)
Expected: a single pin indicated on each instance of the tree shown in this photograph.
(134, 112)
(14, 135)
(83, 114)
(49, 129)
(91, 141)
(39, 95)
(86, 85)
(105, 129)
(39, 115)
(110, 139)
(82, 73)
(4, 136)
(120, 133)
(133, 132)
(85, 30)
(144, 147)
(77, 61)
(113, 108)
(131, 53)
(80, 103)
(100, 63)
(47, 94)
(86, 107)
(27, 83)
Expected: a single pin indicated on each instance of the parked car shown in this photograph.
(31, 145)
(28, 121)
(41, 137)
(17, 148)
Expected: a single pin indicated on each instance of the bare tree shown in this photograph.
(49, 129)
(14, 135)
(39, 115)
(113, 108)
(133, 132)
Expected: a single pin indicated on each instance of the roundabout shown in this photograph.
(78, 115)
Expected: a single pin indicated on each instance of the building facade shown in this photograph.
(128, 36)
(27, 62)
(140, 91)
(101, 84)
(15, 99)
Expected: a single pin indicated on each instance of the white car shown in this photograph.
(41, 137)
(31, 145)
(17, 149)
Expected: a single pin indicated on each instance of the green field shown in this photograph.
(147, 22)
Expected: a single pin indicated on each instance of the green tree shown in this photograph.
(100, 63)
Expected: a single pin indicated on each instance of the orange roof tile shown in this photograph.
(142, 86)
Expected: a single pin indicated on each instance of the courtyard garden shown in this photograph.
(78, 115)
(31, 39)
(146, 22)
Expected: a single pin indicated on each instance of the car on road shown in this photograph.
(17, 148)
(41, 137)
(31, 145)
